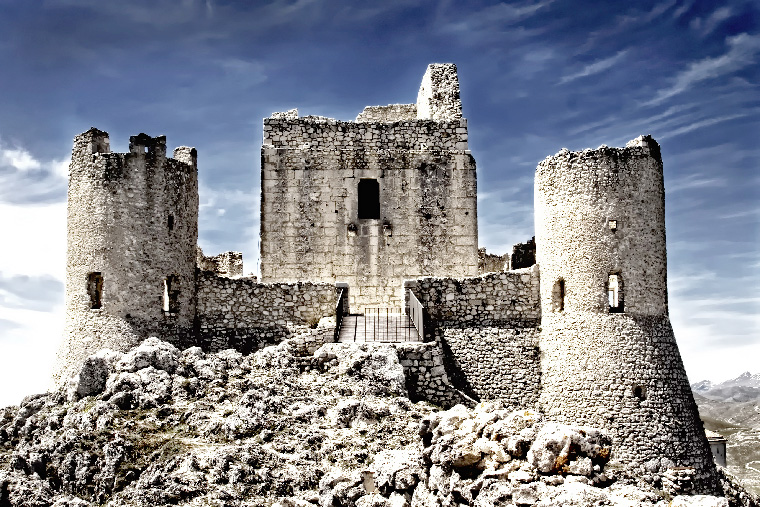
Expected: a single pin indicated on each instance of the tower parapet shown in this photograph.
(132, 234)
(609, 358)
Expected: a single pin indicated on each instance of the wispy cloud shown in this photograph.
(497, 16)
(595, 68)
(694, 181)
(682, 9)
(704, 123)
(18, 158)
(24, 179)
(39, 293)
(741, 53)
(706, 25)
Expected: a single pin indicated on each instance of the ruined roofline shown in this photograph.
(438, 100)
(97, 142)
(642, 145)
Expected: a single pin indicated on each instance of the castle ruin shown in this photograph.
(387, 198)
(385, 208)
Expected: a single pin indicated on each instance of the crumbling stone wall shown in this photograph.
(487, 327)
(132, 224)
(312, 226)
(227, 264)
(426, 375)
(438, 97)
(491, 263)
(243, 314)
(600, 213)
(388, 114)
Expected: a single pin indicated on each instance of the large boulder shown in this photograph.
(151, 352)
(93, 374)
(560, 448)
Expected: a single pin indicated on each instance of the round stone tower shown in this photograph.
(132, 230)
(609, 356)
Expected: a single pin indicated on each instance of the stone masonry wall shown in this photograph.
(228, 264)
(491, 263)
(243, 314)
(495, 362)
(480, 300)
(438, 97)
(426, 374)
(624, 373)
(415, 178)
(601, 213)
(487, 327)
(388, 114)
(132, 221)
(310, 228)
(328, 134)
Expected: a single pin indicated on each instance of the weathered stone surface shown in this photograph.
(559, 447)
(425, 176)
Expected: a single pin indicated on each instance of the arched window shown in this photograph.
(95, 289)
(558, 296)
(171, 294)
(615, 293)
(369, 198)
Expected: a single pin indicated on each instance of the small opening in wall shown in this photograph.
(615, 293)
(640, 393)
(95, 289)
(558, 296)
(171, 294)
(613, 224)
(369, 199)
(145, 149)
(171, 222)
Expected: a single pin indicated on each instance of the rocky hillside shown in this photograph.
(158, 426)
(739, 423)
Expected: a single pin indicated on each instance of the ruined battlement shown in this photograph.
(434, 123)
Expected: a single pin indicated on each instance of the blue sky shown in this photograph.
(535, 77)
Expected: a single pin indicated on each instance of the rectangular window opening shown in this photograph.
(95, 289)
(369, 199)
(615, 293)
(171, 294)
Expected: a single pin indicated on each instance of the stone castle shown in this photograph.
(381, 211)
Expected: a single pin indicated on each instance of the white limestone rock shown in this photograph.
(93, 374)
(398, 470)
(151, 352)
(699, 501)
(557, 444)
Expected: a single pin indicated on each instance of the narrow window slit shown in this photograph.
(171, 294)
(558, 296)
(95, 289)
(615, 293)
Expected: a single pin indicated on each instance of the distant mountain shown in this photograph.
(744, 388)
(732, 408)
